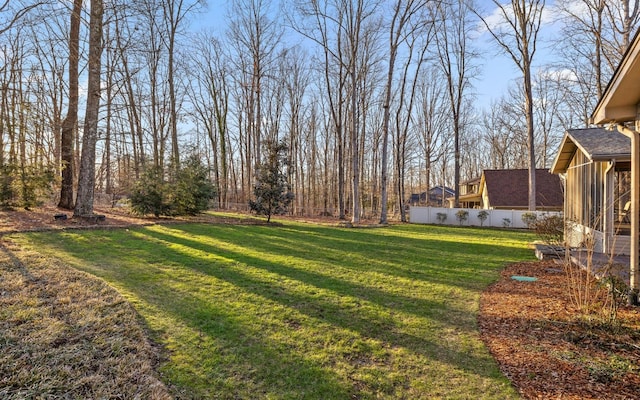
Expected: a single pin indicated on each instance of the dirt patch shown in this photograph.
(547, 350)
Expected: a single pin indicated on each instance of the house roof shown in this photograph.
(619, 100)
(438, 189)
(471, 181)
(598, 144)
(509, 188)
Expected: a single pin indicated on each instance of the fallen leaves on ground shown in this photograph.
(551, 351)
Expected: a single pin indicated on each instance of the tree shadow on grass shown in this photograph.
(249, 364)
(368, 322)
(433, 260)
(271, 367)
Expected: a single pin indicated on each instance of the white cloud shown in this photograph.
(498, 19)
(558, 75)
(572, 7)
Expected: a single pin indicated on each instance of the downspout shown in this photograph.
(634, 260)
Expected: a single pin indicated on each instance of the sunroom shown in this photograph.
(595, 164)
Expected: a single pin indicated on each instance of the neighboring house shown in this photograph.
(433, 197)
(619, 108)
(470, 194)
(508, 189)
(595, 164)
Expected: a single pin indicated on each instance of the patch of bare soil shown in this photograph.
(547, 349)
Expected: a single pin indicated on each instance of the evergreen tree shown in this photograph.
(187, 191)
(149, 195)
(272, 190)
(190, 188)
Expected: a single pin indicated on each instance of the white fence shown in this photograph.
(497, 218)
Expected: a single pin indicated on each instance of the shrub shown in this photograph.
(187, 192)
(35, 184)
(7, 192)
(529, 219)
(441, 217)
(190, 188)
(462, 215)
(506, 222)
(24, 186)
(482, 216)
(149, 195)
(550, 229)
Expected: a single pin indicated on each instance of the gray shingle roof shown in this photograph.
(601, 144)
(598, 144)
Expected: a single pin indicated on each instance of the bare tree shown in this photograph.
(342, 29)
(49, 82)
(517, 35)
(503, 135)
(209, 93)
(548, 109)
(624, 16)
(86, 178)
(71, 120)
(359, 34)
(255, 35)
(583, 22)
(14, 10)
(294, 69)
(455, 58)
(323, 23)
(418, 44)
(124, 42)
(432, 120)
(403, 22)
(174, 12)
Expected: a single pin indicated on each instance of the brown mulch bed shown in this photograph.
(547, 349)
(538, 338)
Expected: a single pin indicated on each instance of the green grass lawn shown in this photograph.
(303, 311)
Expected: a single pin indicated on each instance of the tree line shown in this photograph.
(374, 99)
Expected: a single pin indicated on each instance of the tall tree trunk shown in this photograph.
(384, 175)
(175, 151)
(518, 39)
(71, 120)
(355, 155)
(86, 180)
(528, 101)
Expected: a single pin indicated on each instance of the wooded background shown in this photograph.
(375, 99)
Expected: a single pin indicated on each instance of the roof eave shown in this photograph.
(605, 115)
(611, 157)
(559, 163)
(619, 102)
